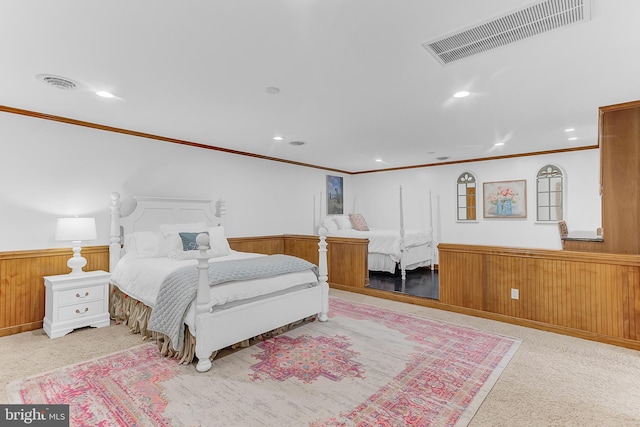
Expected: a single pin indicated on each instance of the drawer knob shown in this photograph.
(82, 312)
(86, 294)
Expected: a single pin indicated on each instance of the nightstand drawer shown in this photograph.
(79, 311)
(81, 295)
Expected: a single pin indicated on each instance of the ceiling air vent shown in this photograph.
(57, 81)
(537, 18)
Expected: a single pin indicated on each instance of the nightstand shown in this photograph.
(75, 301)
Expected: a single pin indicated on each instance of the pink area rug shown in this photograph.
(365, 367)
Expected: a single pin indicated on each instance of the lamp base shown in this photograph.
(77, 261)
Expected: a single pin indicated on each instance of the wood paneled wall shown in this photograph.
(22, 291)
(22, 288)
(261, 245)
(595, 296)
(347, 258)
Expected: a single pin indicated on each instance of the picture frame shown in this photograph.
(504, 199)
(335, 195)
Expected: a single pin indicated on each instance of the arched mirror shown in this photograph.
(550, 193)
(466, 197)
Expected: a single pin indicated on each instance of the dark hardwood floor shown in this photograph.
(421, 282)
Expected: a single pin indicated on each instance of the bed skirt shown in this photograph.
(135, 314)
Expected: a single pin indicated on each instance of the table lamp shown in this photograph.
(76, 230)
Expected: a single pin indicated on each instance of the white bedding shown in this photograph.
(385, 241)
(140, 278)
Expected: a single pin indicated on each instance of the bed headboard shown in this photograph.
(151, 212)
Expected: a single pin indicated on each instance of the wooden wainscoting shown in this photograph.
(22, 288)
(22, 291)
(347, 258)
(588, 295)
(260, 245)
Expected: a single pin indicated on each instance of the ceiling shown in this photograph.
(355, 83)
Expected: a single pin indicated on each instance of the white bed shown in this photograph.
(390, 250)
(220, 315)
(385, 247)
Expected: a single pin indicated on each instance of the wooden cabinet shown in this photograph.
(619, 139)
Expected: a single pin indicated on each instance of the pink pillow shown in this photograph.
(358, 222)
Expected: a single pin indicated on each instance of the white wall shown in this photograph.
(378, 200)
(49, 170)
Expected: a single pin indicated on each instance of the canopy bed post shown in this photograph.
(403, 271)
(114, 233)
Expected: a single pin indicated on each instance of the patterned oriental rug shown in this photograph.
(366, 366)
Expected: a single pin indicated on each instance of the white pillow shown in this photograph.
(146, 244)
(344, 223)
(330, 225)
(130, 246)
(218, 241)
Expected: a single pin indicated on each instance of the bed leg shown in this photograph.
(204, 364)
(323, 316)
(203, 355)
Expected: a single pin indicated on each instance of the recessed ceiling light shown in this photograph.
(379, 160)
(497, 144)
(278, 138)
(461, 94)
(273, 90)
(569, 129)
(104, 94)
(573, 138)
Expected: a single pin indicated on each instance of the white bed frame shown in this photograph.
(219, 329)
(409, 257)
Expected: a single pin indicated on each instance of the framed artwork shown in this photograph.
(335, 196)
(505, 199)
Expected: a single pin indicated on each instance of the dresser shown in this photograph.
(75, 301)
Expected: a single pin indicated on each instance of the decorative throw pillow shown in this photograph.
(358, 222)
(218, 244)
(172, 238)
(189, 240)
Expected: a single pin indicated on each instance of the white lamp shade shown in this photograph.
(73, 229)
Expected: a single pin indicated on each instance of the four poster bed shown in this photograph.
(390, 250)
(175, 279)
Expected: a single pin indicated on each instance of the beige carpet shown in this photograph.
(553, 380)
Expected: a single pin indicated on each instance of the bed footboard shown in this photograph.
(220, 329)
(227, 327)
